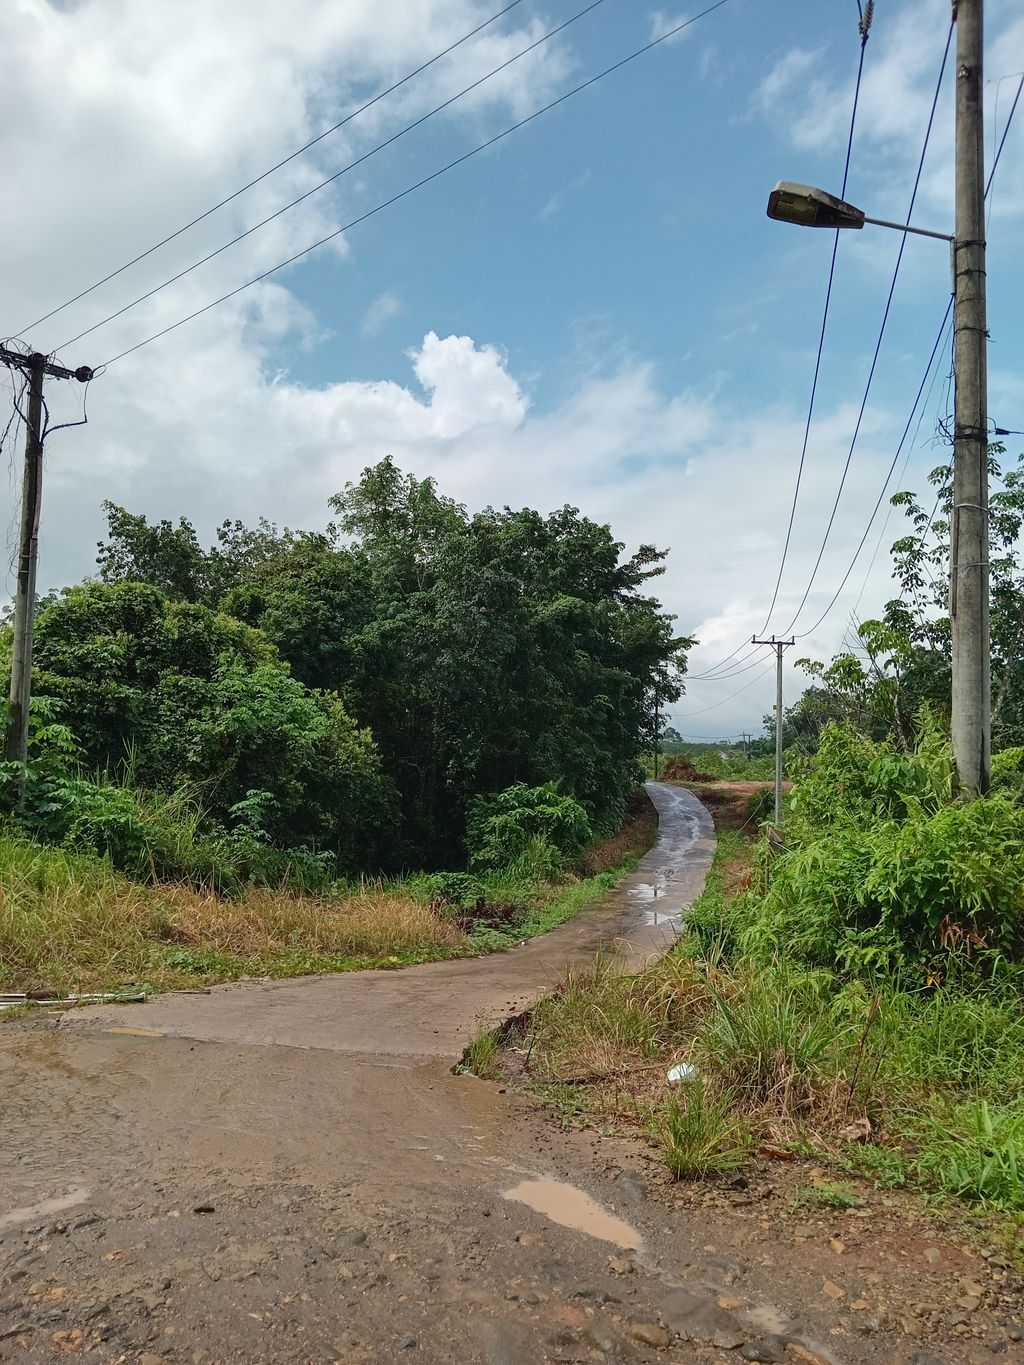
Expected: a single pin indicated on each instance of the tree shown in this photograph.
(172, 693)
(902, 667)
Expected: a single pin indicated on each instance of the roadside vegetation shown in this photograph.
(415, 733)
(855, 996)
(850, 988)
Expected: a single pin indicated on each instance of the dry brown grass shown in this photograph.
(68, 925)
(373, 921)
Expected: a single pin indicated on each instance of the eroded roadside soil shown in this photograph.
(291, 1172)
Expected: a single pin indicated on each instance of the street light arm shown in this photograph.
(905, 227)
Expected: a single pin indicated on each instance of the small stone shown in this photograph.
(837, 1246)
(409, 1344)
(632, 1186)
(971, 1288)
(805, 1355)
(969, 1301)
(599, 1334)
(804, 1232)
(728, 1341)
(69, 1342)
(148, 1358)
(910, 1327)
(204, 1208)
(620, 1265)
(725, 1301)
(832, 1290)
(651, 1334)
(860, 1305)
(932, 1255)
(758, 1351)
(529, 1239)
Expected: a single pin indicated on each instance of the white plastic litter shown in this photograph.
(683, 1073)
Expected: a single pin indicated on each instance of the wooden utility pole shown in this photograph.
(969, 530)
(778, 646)
(36, 367)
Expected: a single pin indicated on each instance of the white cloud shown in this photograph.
(662, 23)
(901, 66)
(165, 106)
(380, 312)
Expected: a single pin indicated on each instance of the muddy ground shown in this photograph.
(291, 1172)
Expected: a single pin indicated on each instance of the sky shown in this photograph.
(593, 311)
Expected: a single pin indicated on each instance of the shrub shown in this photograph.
(535, 828)
(700, 1135)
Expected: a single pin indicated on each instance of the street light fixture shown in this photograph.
(807, 206)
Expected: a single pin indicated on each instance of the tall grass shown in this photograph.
(68, 921)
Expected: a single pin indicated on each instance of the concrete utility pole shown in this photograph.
(969, 530)
(778, 646)
(36, 367)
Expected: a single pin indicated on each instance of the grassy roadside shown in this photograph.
(883, 1081)
(69, 923)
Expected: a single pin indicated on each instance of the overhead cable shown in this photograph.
(426, 180)
(308, 194)
(201, 217)
(878, 342)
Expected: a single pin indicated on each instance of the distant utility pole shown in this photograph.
(969, 529)
(778, 646)
(36, 367)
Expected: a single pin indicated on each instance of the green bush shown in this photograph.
(170, 695)
(534, 829)
(883, 868)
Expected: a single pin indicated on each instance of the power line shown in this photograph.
(910, 450)
(917, 399)
(307, 194)
(878, 343)
(864, 30)
(713, 669)
(899, 450)
(277, 166)
(686, 714)
(490, 142)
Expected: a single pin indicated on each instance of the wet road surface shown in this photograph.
(433, 1010)
(291, 1172)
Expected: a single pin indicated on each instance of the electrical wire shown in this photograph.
(686, 714)
(458, 161)
(864, 27)
(201, 217)
(910, 451)
(824, 326)
(307, 194)
(712, 670)
(877, 350)
(945, 320)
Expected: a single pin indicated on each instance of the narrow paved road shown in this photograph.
(291, 1172)
(434, 1009)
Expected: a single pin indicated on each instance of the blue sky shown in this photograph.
(596, 311)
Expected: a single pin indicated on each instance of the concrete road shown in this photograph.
(291, 1172)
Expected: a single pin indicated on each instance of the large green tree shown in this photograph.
(481, 651)
(171, 693)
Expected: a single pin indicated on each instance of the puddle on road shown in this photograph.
(136, 1032)
(44, 1207)
(572, 1208)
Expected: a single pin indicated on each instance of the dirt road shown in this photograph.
(291, 1172)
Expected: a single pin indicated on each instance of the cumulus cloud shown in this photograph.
(165, 106)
